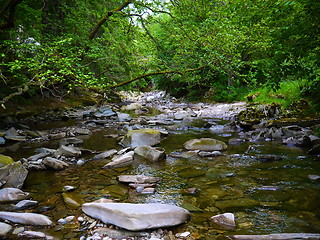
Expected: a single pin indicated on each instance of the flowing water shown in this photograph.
(265, 196)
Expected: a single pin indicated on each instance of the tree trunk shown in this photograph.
(8, 14)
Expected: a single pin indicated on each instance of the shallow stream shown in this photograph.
(265, 196)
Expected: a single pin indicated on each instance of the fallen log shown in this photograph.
(277, 236)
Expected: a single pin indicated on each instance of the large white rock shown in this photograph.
(26, 218)
(205, 144)
(137, 217)
(141, 137)
(12, 194)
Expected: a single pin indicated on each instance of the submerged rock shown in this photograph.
(141, 137)
(12, 194)
(13, 175)
(138, 179)
(137, 217)
(205, 144)
(26, 218)
(226, 220)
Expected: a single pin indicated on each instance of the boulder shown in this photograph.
(225, 221)
(68, 151)
(150, 153)
(205, 144)
(13, 175)
(54, 163)
(12, 194)
(5, 229)
(120, 160)
(141, 137)
(137, 217)
(138, 179)
(5, 160)
(26, 218)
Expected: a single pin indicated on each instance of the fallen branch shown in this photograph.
(154, 73)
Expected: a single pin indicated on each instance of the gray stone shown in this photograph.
(26, 204)
(82, 131)
(2, 141)
(5, 229)
(106, 154)
(105, 112)
(14, 175)
(141, 137)
(150, 153)
(132, 106)
(205, 144)
(12, 194)
(124, 117)
(120, 160)
(57, 135)
(38, 156)
(225, 221)
(54, 163)
(137, 217)
(32, 235)
(26, 218)
(68, 151)
(72, 140)
(139, 179)
(209, 154)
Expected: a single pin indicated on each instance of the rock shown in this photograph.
(314, 177)
(277, 236)
(73, 140)
(12, 194)
(68, 188)
(14, 175)
(82, 131)
(55, 136)
(54, 163)
(26, 218)
(124, 117)
(68, 151)
(139, 179)
(32, 235)
(13, 135)
(5, 229)
(2, 141)
(148, 190)
(26, 204)
(183, 115)
(132, 106)
(104, 155)
(120, 160)
(205, 144)
(141, 137)
(209, 154)
(137, 217)
(5, 160)
(150, 153)
(71, 200)
(38, 156)
(105, 112)
(226, 220)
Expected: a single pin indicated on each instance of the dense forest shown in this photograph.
(204, 49)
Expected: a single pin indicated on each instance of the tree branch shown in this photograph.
(106, 17)
(155, 73)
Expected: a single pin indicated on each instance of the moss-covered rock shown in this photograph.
(5, 160)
